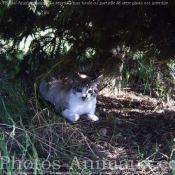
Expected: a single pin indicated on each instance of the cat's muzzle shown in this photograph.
(84, 97)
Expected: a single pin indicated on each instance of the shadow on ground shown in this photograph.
(135, 135)
(135, 128)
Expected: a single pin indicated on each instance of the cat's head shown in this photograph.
(85, 88)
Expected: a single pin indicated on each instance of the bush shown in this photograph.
(12, 103)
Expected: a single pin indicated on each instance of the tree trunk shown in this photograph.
(118, 78)
(114, 82)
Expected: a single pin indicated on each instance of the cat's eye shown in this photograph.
(96, 91)
(79, 90)
(90, 91)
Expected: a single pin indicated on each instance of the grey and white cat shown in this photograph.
(73, 99)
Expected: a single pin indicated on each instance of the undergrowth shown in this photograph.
(135, 135)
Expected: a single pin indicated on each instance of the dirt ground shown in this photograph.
(136, 128)
(135, 135)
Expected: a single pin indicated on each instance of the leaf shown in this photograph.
(47, 3)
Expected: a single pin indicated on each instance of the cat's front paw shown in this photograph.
(93, 117)
(74, 117)
(70, 115)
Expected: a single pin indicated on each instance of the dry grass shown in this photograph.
(135, 135)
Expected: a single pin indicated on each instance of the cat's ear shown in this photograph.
(81, 77)
(98, 80)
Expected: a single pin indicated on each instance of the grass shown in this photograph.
(131, 137)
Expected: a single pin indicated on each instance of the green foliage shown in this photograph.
(85, 28)
(16, 150)
(155, 78)
(69, 38)
(12, 102)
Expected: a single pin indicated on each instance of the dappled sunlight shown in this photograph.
(131, 128)
(129, 134)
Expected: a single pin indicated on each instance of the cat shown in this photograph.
(73, 99)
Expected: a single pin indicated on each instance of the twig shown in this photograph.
(85, 138)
